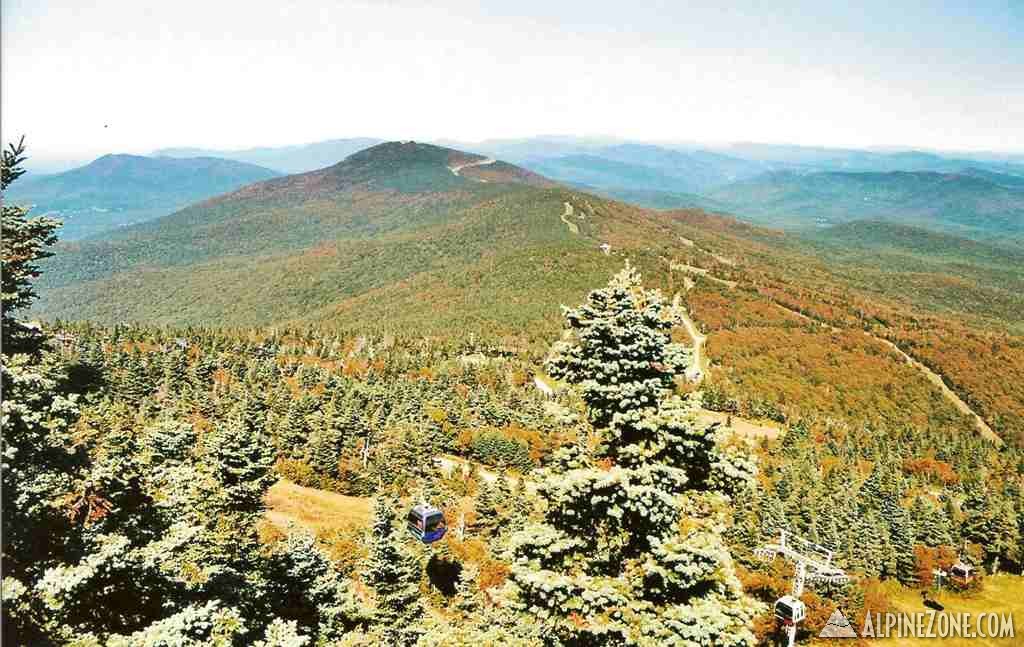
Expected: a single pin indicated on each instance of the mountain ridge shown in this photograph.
(290, 159)
(116, 190)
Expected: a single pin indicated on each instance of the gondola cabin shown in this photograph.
(427, 523)
(790, 610)
(962, 573)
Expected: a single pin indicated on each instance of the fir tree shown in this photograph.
(931, 526)
(488, 504)
(901, 535)
(394, 573)
(25, 241)
(611, 563)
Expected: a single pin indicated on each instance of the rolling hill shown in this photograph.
(971, 205)
(818, 159)
(118, 190)
(283, 248)
(425, 241)
(926, 268)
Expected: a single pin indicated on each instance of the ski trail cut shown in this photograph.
(573, 227)
(458, 167)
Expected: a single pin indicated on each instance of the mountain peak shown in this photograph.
(396, 154)
(400, 166)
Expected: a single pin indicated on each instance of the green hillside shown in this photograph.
(957, 203)
(118, 190)
(661, 200)
(296, 246)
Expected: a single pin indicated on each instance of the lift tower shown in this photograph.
(813, 564)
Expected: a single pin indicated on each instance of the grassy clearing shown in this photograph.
(1003, 594)
(317, 510)
(751, 429)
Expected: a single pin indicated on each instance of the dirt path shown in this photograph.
(448, 464)
(696, 371)
(458, 167)
(700, 271)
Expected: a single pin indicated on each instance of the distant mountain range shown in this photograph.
(797, 187)
(793, 187)
(118, 190)
(649, 168)
(977, 204)
(285, 159)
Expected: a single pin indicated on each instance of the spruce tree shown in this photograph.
(931, 526)
(488, 504)
(25, 241)
(394, 574)
(977, 512)
(901, 534)
(629, 550)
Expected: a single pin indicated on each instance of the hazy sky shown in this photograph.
(216, 73)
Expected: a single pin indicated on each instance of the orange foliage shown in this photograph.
(928, 559)
(86, 508)
(493, 574)
(469, 550)
(222, 378)
(932, 469)
(355, 367)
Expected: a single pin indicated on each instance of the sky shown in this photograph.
(82, 78)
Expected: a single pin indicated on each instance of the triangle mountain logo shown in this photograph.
(837, 627)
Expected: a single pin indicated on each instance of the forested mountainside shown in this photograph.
(119, 190)
(180, 434)
(407, 236)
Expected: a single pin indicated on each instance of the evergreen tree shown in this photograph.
(773, 516)
(135, 382)
(901, 535)
(931, 526)
(308, 589)
(488, 504)
(1003, 534)
(242, 464)
(611, 563)
(394, 573)
(977, 511)
(24, 244)
(39, 464)
(467, 592)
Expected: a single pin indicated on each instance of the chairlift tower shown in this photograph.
(813, 564)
